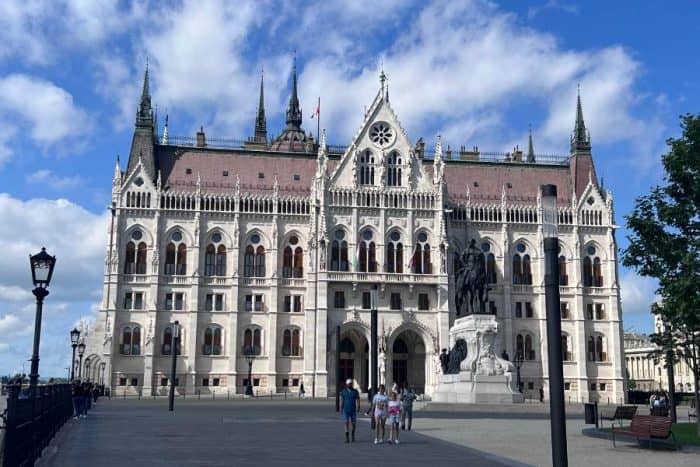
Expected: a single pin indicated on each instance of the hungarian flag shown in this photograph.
(317, 112)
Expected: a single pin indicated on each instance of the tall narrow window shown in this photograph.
(394, 253)
(249, 261)
(420, 262)
(529, 350)
(260, 261)
(367, 252)
(491, 276)
(517, 270)
(167, 341)
(287, 343)
(221, 261)
(592, 270)
(563, 277)
(522, 271)
(130, 258)
(296, 347)
(210, 261)
(252, 339)
(366, 168)
(339, 252)
(566, 348)
(131, 340)
(181, 268)
(293, 259)
(393, 171)
(176, 255)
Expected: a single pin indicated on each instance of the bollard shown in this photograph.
(124, 393)
(199, 395)
(228, 394)
(212, 395)
(140, 394)
(270, 394)
(285, 395)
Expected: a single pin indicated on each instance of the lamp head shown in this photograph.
(74, 336)
(81, 349)
(549, 210)
(42, 265)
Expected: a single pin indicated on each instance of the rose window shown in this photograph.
(381, 134)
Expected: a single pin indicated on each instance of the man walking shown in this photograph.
(407, 398)
(351, 405)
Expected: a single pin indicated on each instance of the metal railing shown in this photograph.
(31, 421)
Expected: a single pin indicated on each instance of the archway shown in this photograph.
(354, 359)
(408, 360)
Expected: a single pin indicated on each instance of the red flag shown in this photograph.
(317, 112)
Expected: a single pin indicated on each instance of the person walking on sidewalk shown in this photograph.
(379, 403)
(302, 392)
(407, 398)
(351, 405)
(394, 417)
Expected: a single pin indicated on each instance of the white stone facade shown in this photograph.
(379, 194)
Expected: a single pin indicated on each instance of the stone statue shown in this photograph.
(381, 364)
(456, 355)
(444, 360)
(470, 281)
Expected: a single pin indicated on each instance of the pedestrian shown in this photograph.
(351, 405)
(407, 398)
(84, 399)
(77, 399)
(394, 417)
(302, 392)
(541, 394)
(444, 360)
(379, 402)
(95, 394)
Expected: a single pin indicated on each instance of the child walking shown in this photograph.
(379, 403)
(394, 417)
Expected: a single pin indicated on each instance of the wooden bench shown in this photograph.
(647, 427)
(621, 412)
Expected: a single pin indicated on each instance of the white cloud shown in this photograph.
(47, 177)
(637, 293)
(77, 237)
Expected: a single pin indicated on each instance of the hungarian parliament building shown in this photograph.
(266, 249)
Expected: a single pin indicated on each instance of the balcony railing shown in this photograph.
(214, 280)
(256, 281)
(289, 282)
(382, 277)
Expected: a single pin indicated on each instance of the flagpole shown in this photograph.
(318, 121)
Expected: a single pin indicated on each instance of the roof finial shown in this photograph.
(144, 116)
(382, 79)
(260, 120)
(164, 138)
(530, 149)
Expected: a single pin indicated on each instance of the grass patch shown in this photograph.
(685, 433)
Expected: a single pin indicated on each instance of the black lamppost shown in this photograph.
(670, 362)
(81, 351)
(249, 353)
(551, 288)
(374, 299)
(74, 338)
(173, 363)
(102, 373)
(87, 369)
(42, 265)
(518, 363)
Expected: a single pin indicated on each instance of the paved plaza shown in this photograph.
(309, 433)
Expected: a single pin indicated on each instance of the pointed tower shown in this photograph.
(581, 162)
(164, 138)
(293, 138)
(530, 148)
(293, 110)
(580, 140)
(260, 121)
(143, 140)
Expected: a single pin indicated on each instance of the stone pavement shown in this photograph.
(522, 433)
(245, 432)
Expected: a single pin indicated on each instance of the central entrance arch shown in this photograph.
(354, 359)
(408, 364)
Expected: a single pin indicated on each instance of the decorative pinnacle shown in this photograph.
(530, 149)
(260, 120)
(294, 117)
(580, 140)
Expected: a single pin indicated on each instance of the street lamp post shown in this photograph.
(518, 363)
(173, 363)
(74, 337)
(373, 331)
(102, 373)
(81, 351)
(670, 361)
(249, 353)
(42, 265)
(87, 369)
(555, 363)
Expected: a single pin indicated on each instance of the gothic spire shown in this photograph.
(144, 116)
(530, 149)
(164, 138)
(580, 140)
(293, 110)
(260, 121)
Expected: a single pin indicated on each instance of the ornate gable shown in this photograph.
(381, 155)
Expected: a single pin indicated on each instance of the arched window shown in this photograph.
(221, 261)
(529, 349)
(420, 262)
(210, 260)
(252, 339)
(339, 252)
(131, 340)
(167, 346)
(346, 346)
(563, 277)
(212, 341)
(399, 346)
(130, 258)
(367, 252)
(394, 253)
(290, 343)
(522, 270)
(597, 348)
(491, 276)
(176, 255)
(141, 258)
(393, 171)
(254, 257)
(293, 259)
(567, 348)
(366, 168)
(592, 273)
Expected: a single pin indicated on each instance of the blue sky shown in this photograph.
(473, 71)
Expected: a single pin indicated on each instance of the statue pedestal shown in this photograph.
(484, 377)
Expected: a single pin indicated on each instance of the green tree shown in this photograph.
(665, 244)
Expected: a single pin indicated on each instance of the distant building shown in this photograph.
(270, 244)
